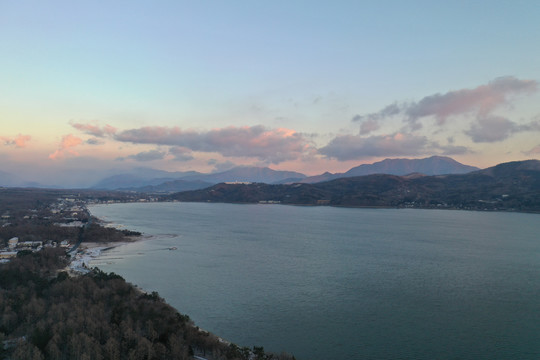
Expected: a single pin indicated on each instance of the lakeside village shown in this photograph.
(57, 223)
(33, 219)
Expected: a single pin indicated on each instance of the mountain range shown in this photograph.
(508, 186)
(435, 165)
(10, 180)
(159, 181)
(150, 180)
(179, 181)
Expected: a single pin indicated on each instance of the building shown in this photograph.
(7, 254)
(12, 243)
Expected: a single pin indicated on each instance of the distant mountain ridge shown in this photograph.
(10, 180)
(178, 181)
(173, 186)
(513, 186)
(434, 165)
(252, 174)
(144, 179)
(141, 177)
(7, 179)
(150, 180)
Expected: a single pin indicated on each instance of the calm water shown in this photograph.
(333, 283)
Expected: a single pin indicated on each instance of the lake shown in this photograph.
(341, 283)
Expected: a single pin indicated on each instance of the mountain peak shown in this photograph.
(434, 165)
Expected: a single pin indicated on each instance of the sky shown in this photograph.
(93, 88)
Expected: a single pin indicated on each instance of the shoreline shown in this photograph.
(376, 207)
(89, 251)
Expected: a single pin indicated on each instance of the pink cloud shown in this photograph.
(94, 129)
(534, 151)
(268, 145)
(66, 147)
(18, 141)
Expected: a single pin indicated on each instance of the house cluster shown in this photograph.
(70, 208)
(15, 245)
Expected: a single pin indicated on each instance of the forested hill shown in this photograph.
(46, 314)
(513, 186)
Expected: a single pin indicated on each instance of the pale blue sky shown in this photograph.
(307, 66)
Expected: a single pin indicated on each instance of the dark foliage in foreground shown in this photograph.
(46, 314)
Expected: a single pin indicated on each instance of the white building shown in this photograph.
(12, 243)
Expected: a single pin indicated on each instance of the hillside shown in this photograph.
(47, 314)
(510, 186)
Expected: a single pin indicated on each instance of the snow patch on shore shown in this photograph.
(81, 260)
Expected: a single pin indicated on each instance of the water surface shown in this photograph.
(339, 283)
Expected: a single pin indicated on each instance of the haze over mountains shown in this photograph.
(7, 179)
(435, 182)
(160, 181)
(178, 181)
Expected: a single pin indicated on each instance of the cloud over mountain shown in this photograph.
(149, 155)
(425, 127)
(497, 128)
(409, 137)
(351, 147)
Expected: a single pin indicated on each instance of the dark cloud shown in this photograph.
(370, 122)
(181, 153)
(150, 155)
(532, 126)
(95, 141)
(269, 145)
(498, 128)
(390, 110)
(368, 126)
(353, 147)
(449, 150)
(221, 166)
